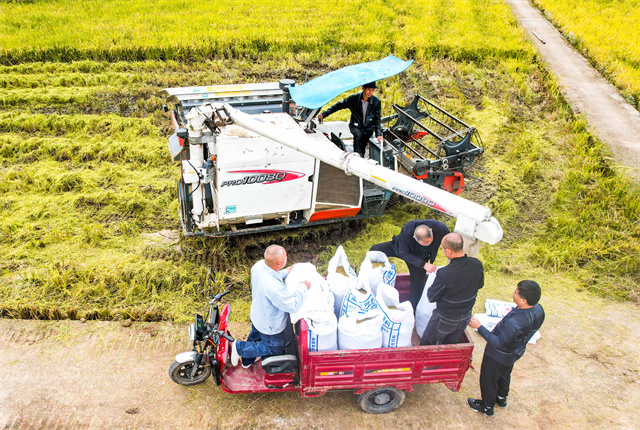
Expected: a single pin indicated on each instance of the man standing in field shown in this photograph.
(505, 345)
(417, 244)
(270, 308)
(454, 291)
(365, 116)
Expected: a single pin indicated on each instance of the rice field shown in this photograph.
(607, 33)
(88, 201)
(113, 30)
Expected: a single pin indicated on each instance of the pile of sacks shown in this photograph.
(495, 310)
(349, 311)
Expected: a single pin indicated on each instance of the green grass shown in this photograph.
(606, 32)
(86, 181)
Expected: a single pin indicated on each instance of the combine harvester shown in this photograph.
(254, 159)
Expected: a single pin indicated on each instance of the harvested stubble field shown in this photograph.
(87, 184)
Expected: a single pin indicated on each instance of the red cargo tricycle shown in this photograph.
(379, 377)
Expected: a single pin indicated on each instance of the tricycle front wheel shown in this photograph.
(180, 372)
(381, 400)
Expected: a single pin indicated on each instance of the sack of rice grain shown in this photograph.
(498, 308)
(425, 307)
(376, 269)
(323, 335)
(397, 325)
(340, 277)
(318, 300)
(360, 330)
(358, 298)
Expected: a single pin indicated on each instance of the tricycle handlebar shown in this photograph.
(219, 296)
(226, 336)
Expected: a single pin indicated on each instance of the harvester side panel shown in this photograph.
(260, 178)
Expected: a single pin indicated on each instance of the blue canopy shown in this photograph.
(321, 90)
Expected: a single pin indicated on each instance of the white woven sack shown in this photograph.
(318, 299)
(375, 276)
(358, 298)
(425, 308)
(323, 335)
(491, 322)
(397, 324)
(498, 308)
(360, 330)
(339, 284)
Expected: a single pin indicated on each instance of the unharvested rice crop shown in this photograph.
(607, 33)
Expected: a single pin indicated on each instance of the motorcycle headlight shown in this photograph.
(192, 332)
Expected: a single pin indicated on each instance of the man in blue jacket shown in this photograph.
(365, 116)
(506, 344)
(417, 244)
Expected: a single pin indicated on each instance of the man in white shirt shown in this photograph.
(272, 302)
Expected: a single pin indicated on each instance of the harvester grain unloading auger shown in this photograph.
(473, 220)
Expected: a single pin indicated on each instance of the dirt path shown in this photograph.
(609, 116)
(583, 373)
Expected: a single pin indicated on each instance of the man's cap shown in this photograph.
(370, 85)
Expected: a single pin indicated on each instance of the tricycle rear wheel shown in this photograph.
(180, 372)
(381, 400)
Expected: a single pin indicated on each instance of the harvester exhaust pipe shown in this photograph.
(284, 85)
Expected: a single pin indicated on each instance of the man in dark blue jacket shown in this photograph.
(417, 244)
(506, 344)
(365, 116)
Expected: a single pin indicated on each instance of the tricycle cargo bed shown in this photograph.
(365, 369)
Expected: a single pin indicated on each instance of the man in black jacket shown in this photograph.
(506, 344)
(365, 116)
(454, 292)
(417, 244)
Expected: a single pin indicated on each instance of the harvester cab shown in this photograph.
(254, 159)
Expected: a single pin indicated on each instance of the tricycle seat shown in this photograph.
(280, 364)
(283, 363)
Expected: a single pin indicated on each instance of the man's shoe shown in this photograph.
(248, 366)
(478, 406)
(234, 354)
(501, 401)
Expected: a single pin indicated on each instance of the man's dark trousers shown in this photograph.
(444, 329)
(260, 345)
(360, 139)
(494, 380)
(417, 275)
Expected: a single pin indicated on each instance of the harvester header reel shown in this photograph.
(434, 145)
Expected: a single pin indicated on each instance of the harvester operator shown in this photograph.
(272, 302)
(417, 244)
(454, 291)
(365, 116)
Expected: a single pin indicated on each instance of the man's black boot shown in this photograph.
(478, 406)
(501, 401)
